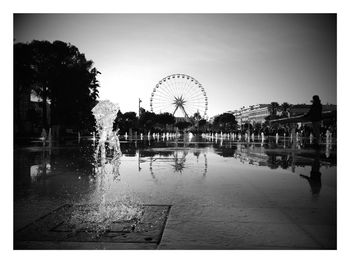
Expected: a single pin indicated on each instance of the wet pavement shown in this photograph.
(223, 194)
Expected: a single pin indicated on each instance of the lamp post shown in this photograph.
(139, 107)
(138, 121)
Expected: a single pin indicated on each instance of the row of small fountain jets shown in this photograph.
(149, 136)
(295, 136)
(247, 137)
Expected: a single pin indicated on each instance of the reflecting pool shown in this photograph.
(223, 194)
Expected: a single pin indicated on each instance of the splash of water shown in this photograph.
(100, 216)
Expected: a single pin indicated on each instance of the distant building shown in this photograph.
(251, 114)
(257, 113)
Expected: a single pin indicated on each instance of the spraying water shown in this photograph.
(99, 217)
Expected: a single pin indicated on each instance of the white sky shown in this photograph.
(239, 59)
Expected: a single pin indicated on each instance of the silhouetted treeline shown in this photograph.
(61, 77)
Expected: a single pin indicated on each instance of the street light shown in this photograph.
(139, 107)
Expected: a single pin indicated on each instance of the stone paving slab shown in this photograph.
(326, 235)
(233, 214)
(234, 235)
(54, 228)
(50, 245)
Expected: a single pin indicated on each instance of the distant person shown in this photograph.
(315, 116)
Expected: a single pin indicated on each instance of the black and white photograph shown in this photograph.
(175, 131)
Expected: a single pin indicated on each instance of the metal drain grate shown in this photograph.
(54, 227)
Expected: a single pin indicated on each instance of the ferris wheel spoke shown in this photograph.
(188, 85)
(176, 85)
(172, 83)
(164, 89)
(192, 91)
(192, 108)
(162, 104)
(196, 94)
(162, 97)
(198, 107)
(196, 98)
(169, 88)
(164, 94)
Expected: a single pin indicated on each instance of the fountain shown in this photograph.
(50, 138)
(99, 217)
(328, 137)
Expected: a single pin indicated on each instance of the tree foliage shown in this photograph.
(182, 125)
(225, 122)
(273, 107)
(285, 106)
(165, 118)
(57, 73)
(126, 121)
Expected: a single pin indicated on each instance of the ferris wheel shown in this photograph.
(181, 95)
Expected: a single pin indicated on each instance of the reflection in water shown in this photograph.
(38, 171)
(99, 166)
(273, 157)
(315, 175)
(41, 170)
(179, 162)
(176, 158)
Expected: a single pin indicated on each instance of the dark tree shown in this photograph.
(195, 120)
(23, 77)
(60, 75)
(285, 106)
(129, 120)
(257, 127)
(225, 122)
(165, 118)
(183, 125)
(273, 107)
(202, 124)
(147, 120)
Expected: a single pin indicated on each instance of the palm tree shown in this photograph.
(273, 107)
(285, 106)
